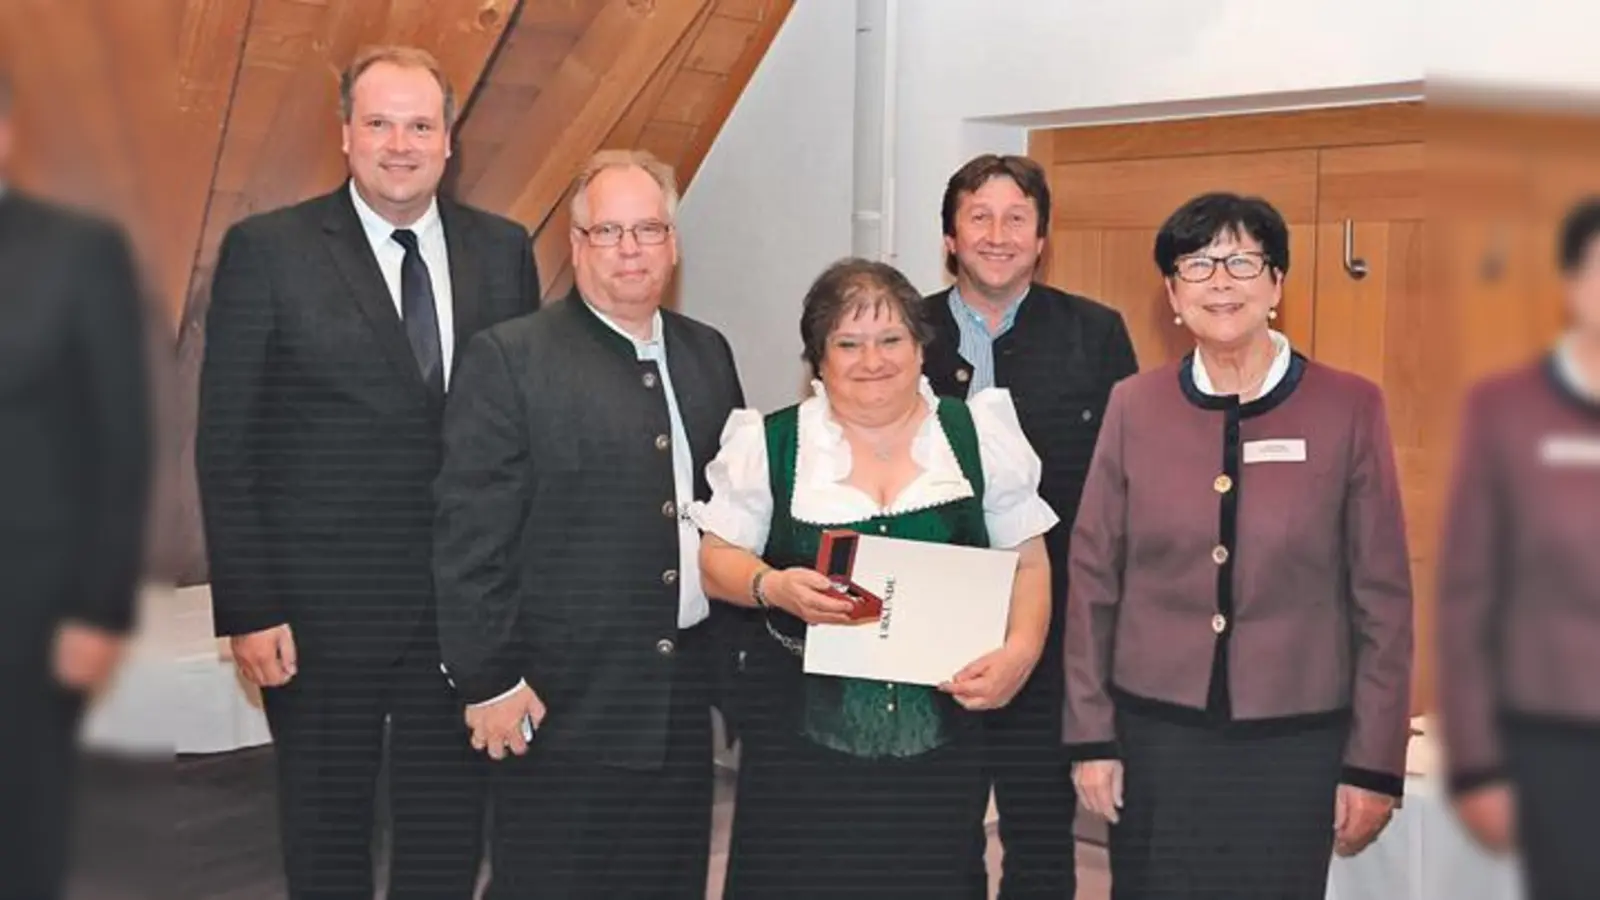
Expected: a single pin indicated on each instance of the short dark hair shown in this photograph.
(978, 171)
(1209, 216)
(1578, 234)
(851, 287)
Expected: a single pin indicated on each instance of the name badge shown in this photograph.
(1283, 450)
(1570, 450)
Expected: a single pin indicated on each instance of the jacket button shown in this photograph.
(1222, 485)
(1088, 414)
(670, 576)
(1219, 554)
(649, 379)
(669, 509)
(963, 376)
(665, 647)
(663, 442)
(1219, 623)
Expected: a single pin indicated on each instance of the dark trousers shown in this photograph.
(1558, 791)
(569, 828)
(328, 725)
(1032, 783)
(37, 757)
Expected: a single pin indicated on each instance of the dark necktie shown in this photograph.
(417, 309)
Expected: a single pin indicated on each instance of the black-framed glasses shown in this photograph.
(1243, 266)
(609, 234)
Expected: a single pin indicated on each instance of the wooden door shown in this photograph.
(1106, 216)
(1374, 318)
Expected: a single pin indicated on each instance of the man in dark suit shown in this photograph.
(569, 589)
(1058, 354)
(331, 337)
(74, 474)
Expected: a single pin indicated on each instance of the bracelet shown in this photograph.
(756, 593)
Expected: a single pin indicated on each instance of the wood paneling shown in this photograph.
(674, 109)
(1107, 214)
(179, 117)
(1134, 193)
(1212, 135)
(282, 142)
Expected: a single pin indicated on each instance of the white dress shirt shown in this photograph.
(390, 255)
(1567, 366)
(693, 607)
(1275, 372)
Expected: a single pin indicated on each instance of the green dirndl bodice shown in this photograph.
(869, 719)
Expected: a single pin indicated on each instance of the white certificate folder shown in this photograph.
(942, 607)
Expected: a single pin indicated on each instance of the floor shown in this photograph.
(206, 828)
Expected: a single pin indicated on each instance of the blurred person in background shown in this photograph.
(331, 338)
(75, 461)
(1238, 636)
(1519, 598)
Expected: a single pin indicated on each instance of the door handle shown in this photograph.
(1357, 268)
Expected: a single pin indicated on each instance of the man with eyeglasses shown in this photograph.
(570, 607)
(1058, 354)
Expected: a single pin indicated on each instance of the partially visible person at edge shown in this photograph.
(1519, 598)
(1058, 355)
(1238, 644)
(75, 471)
(852, 787)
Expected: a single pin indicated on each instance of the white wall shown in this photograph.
(771, 204)
(1058, 61)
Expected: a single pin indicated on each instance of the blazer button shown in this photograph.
(1219, 554)
(669, 509)
(963, 376)
(670, 576)
(1222, 485)
(663, 442)
(649, 379)
(1088, 414)
(665, 647)
(1219, 623)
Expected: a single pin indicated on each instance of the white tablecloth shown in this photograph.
(177, 691)
(1424, 853)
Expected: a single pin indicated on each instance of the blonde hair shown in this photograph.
(623, 159)
(405, 57)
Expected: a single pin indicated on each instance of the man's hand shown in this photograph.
(86, 656)
(497, 727)
(992, 680)
(1489, 813)
(1099, 784)
(266, 658)
(1358, 818)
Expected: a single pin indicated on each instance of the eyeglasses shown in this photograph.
(609, 234)
(1243, 266)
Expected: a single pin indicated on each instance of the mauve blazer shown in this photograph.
(1243, 567)
(1519, 575)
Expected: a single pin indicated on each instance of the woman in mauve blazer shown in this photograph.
(1238, 629)
(1519, 598)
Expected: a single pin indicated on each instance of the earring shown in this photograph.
(1177, 320)
(1272, 313)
